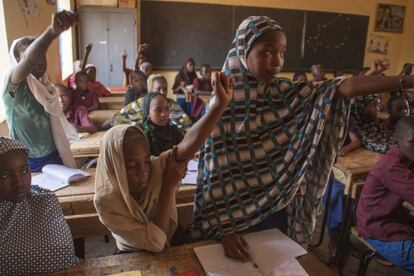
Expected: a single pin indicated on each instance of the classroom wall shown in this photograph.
(400, 50)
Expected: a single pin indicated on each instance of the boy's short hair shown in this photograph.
(404, 124)
(22, 45)
(80, 74)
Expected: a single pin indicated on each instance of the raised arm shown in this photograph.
(36, 52)
(192, 141)
(373, 83)
(138, 60)
(85, 57)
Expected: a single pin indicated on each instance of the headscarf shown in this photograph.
(184, 75)
(161, 138)
(118, 210)
(374, 134)
(274, 147)
(9, 144)
(43, 91)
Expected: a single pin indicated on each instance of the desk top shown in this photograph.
(77, 198)
(182, 258)
(358, 161)
(88, 145)
(111, 99)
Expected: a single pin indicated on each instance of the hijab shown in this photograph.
(184, 75)
(273, 148)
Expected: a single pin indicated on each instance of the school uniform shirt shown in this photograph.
(78, 115)
(380, 214)
(99, 89)
(27, 119)
(87, 100)
(34, 236)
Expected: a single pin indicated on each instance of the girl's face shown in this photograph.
(138, 166)
(138, 81)
(267, 56)
(15, 177)
(189, 66)
(159, 112)
(82, 83)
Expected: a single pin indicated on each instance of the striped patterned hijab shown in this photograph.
(274, 147)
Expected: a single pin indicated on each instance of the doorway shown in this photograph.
(111, 31)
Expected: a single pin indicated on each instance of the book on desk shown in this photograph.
(55, 177)
(272, 253)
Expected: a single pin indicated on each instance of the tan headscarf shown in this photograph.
(129, 221)
(62, 130)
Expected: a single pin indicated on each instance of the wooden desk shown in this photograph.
(76, 202)
(182, 258)
(98, 117)
(111, 103)
(356, 165)
(88, 145)
(118, 93)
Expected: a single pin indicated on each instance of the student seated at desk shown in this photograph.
(184, 78)
(161, 133)
(135, 194)
(82, 96)
(398, 106)
(137, 87)
(381, 219)
(374, 134)
(140, 59)
(76, 115)
(34, 236)
(93, 85)
(202, 85)
(132, 113)
(33, 114)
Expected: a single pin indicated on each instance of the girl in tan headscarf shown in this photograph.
(135, 193)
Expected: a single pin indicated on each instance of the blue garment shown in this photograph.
(400, 253)
(36, 164)
(335, 210)
(277, 220)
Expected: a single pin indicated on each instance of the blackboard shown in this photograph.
(205, 32)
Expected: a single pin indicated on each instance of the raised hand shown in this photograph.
(142, 47)
(223, 89)
(124, 54)
(62, 21)
(378, 66)
(88, 48)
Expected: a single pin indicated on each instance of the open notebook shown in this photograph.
(273, 253)
(192, 173)
(55, 177)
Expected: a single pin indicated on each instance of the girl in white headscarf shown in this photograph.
(33, 114)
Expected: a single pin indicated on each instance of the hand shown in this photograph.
(142, 47)
(236, 247)
(88, 48)
(223, 89)
(62, 21)
(174, 171)
(124, 54)
(378, 66)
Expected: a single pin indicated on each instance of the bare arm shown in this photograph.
(37, 50)
(202, 129)
(373, 83)
(141, 49)
(172, 175)
(85, 57)
(355, 143)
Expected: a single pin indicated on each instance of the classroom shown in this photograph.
(207, 137)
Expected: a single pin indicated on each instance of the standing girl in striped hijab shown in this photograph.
(275, 144)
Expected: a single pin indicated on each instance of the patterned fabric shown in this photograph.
(132, 114)
(374, 134)
(34, 236)
(7, 144)
(273, 147)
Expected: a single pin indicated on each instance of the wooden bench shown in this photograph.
(76, 201)
(182, 258)
(88, 145)
(98, 117)
(111, 103)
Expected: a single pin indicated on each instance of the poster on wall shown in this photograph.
(378, 44)
(390, 18)
(29, 7)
